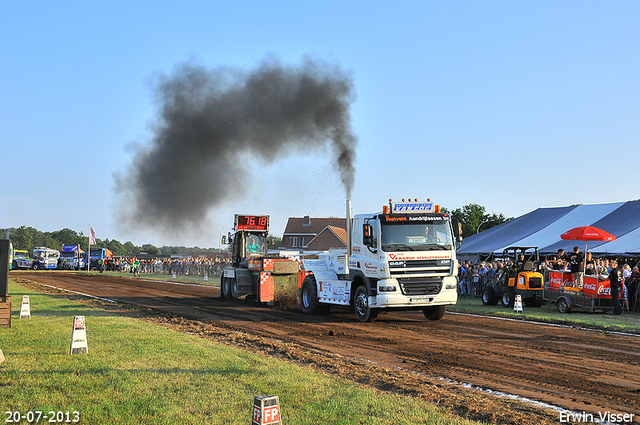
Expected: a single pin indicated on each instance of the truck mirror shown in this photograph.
(367, 234)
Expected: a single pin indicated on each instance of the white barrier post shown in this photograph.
(517, 305)
(25, 309)
(79, 336)
(1, 357)
(266, 410)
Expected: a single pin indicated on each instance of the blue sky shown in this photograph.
(511, 105)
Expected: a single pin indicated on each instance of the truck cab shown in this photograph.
(21, 259)
(72, 257)
(45, 258)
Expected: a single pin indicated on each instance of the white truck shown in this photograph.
(45, 258)
(403, 258)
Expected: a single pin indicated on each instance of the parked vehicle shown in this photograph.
(97, 254)
(21, 260)
(45, 258)
(72, 257)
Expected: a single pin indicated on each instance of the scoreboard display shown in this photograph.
(252, 222)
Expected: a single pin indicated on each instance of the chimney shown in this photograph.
(306, 221)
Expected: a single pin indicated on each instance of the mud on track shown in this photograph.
(576, 369)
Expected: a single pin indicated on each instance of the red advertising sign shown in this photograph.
(559, 279)
(268, 415)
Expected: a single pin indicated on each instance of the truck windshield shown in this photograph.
(68, 254)
(416, 237)
(256, 245)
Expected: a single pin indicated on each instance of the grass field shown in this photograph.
(627, 322)
(137, 372)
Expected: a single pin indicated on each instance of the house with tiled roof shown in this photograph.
(329, 237)
(301, 231)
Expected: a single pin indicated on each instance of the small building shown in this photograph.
(329, 237)
(324, 232)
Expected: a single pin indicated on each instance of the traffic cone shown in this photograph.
(517, 305)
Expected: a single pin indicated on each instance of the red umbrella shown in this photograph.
(587, 233)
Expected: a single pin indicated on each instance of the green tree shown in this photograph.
(22, 238)
(273, 242)
(473, 217)
(115, 246)
(150, 249)
(130, 249)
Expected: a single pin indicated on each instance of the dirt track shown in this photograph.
(579, 370)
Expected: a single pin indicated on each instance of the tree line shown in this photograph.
(28, 237)
(475, 219)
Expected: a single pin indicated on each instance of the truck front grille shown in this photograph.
(420, 286)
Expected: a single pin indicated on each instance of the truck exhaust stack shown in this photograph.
(346, 258)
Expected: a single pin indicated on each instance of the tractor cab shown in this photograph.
(524, 279)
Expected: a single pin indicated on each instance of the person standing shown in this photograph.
(615, 281)
(576, 261)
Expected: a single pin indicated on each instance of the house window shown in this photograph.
(294, 242)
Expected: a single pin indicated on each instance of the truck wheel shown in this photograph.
(35, 266)
(225, 288)
(15, 265)
(563, 306)
(309, 298)
(234, 289)
(434, 312)
(308, 295)
(489, 296)
(361, 306)
(508, 297)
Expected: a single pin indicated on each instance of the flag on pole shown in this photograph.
(92, 238)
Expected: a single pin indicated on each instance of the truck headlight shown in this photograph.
(450, 286)
(389, 288)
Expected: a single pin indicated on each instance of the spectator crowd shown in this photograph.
(190, 266)
(473, 277)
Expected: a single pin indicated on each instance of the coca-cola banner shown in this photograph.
(559, 279)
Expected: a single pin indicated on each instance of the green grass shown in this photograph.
(628, 322)
(137, 372)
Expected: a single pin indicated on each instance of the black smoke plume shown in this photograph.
(210, 121)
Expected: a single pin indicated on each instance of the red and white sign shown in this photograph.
(268, 415)
(79, 322)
